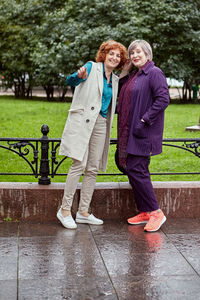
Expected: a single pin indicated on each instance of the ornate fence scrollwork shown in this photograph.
(20, 147)
(29, 147)
(194, 146)
(187, 145)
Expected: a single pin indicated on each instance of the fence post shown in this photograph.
(44, 161)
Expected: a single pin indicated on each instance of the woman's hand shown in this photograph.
(126, 68)
(82, 72)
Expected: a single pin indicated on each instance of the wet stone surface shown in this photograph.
(113, 261)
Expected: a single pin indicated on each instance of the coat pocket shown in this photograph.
(74, 120)
(140, 129)
(76, 110)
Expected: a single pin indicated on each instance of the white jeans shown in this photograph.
(90, 164)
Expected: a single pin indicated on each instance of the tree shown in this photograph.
(70, 36)
(19, 22)
(173, 29)
(44, 40)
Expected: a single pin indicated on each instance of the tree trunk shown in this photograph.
(20, 88)
(49, 92)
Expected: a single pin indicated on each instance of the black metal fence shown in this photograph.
(44, 163)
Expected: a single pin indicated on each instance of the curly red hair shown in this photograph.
(105, 47)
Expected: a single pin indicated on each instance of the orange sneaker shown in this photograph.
(141, 218)
(157, 218)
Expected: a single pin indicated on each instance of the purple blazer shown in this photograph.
(149, 99)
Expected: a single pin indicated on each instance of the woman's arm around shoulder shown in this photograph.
(126, 69)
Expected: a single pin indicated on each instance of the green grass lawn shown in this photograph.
(24, 118)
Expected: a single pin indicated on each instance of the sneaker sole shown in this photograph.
(143, 222)
(87, 222)
(162, 222)
(68, 227)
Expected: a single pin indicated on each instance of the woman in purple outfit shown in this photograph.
(143, 98)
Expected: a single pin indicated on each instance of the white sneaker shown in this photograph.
(67, 222)
(88, 220)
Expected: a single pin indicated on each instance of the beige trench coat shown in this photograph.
(83, 113)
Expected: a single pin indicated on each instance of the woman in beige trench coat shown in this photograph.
(86, 135)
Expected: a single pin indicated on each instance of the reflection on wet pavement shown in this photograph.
(113, 261)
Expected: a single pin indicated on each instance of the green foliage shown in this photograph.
(9, 219)
(43, 39)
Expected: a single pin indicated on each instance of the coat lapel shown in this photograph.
(100, 77)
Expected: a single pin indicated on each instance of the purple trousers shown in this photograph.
(139, 178)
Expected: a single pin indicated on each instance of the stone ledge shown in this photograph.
(31, 202)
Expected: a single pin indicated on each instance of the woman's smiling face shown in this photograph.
(138, 57)
(113, 58)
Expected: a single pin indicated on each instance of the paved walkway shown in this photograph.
(113, 261)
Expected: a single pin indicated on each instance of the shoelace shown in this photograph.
(142, 216)
(153, 217)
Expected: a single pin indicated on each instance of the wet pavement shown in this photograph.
(113, 261)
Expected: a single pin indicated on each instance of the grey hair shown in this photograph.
(145, 47)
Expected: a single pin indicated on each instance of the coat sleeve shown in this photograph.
(160, 95)
(74, 80)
